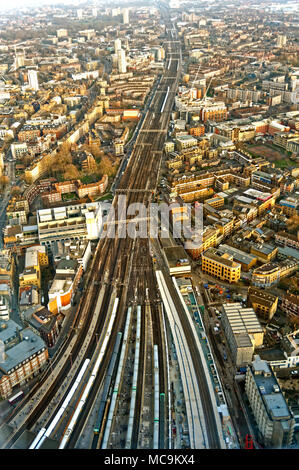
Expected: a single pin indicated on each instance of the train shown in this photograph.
(162, 420)
(156, 400)
(84, 397)
(16, 398)
(117, 381)
(135, 382)
(107, 385)
(41, 436)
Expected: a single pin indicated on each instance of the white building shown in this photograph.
(18, 148)
(243, 332)
(125, 16)
(75, 222)
(20, 59)
(117, 45)
(121, 61)
(281, 40)
(32, 79)
(4, 309)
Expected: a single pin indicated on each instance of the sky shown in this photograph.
(4, 4)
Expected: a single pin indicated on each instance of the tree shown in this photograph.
(27, 159)
(105, 167)
(4, 181)
(71, 172)
(15, 191)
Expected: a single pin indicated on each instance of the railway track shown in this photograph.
(112, 264)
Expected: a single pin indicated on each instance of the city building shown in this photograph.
(185, 141)
(290, 305)
(25, 356)
(74, 222)
(243, 332)
(281, 40)
(263, 303)
(274, 419)
(246, 260)
(270, 273)
(4, 308)
(220, 265)
(42, 322)
(121, 61)
(117, 45)
(264, 252)
(61, 33)
(176, 260)
(125, 16)
(33, 80)
(64, 285)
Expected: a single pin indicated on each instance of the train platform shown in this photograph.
(179, 421)
(26, 438)
(196, 312)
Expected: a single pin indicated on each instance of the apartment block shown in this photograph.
(274, 419)
(270, 273)
(220, 265)
(290, 305)
(263, 303)
(25, 355)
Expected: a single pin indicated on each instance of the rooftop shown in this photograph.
(269, 389)
(238, 255)
(242, 320)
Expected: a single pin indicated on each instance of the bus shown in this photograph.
(16, 398)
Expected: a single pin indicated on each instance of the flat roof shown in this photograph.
(23, 350)
(211, 253)
(274, 402)
(174, 254)
(238, 255)
(266, 248)
(8, 330)
(242, 319)
(261, 296)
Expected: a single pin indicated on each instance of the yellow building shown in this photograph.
(263, 303)
(30, 277)
(175, 163)
(35, 257)
(209, 239)
(118, 147)
(169, 147)
(199, 194)
(217, 201)
(265, 252)
(225, 226)
(221, 266)
(39, 168)
(246, 133)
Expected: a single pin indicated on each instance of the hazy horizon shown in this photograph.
(21, 4)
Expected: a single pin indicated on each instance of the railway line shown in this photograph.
(110, 276)
(121, 302)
